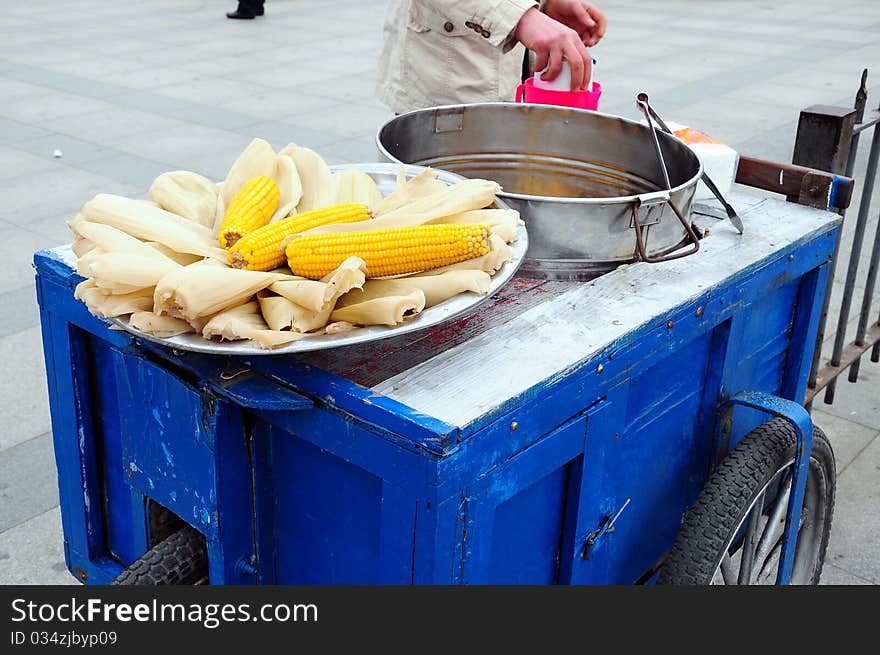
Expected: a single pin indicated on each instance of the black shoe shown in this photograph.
(260, 11)
(239, 14)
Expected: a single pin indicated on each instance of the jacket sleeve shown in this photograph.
(494, 20)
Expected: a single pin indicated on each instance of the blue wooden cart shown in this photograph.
(558, 434)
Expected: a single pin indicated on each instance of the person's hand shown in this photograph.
(583, 17)
(552, 42)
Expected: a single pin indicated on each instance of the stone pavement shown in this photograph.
(127, 90)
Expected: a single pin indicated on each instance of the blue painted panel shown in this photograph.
(808, 312)
(762, 350)
(527, 535)
(167, 441)
(334, 522)
(533, 482)
(651, 453)
(365, 446)
(124, 510)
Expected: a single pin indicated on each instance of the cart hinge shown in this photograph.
(605, 527)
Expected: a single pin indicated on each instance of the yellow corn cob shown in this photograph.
(388, 252)
(250, 209)
(263, 249)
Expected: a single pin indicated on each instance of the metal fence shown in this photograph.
(828, 139)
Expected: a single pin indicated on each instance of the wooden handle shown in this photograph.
(806, 186)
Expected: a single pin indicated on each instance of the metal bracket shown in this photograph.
(605, 527)
(448, 120)
(653, 205)
(800, 420)
(817, 189)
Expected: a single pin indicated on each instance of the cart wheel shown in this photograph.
(181, 559)
(754, 480)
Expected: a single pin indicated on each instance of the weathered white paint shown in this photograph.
(469, 380)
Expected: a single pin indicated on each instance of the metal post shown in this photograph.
(830, 155)
(855, 254)
(867, 299)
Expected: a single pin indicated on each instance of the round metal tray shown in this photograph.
(385, 177)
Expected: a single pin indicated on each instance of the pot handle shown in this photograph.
(653, 199)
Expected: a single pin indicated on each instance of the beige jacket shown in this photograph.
(439, 52)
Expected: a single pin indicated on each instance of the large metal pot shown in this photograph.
(588, 185)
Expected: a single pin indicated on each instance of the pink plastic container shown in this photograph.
(528, 92)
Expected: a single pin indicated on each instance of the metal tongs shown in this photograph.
(651, 116)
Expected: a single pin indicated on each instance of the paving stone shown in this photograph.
(28, 481)
(279, 104)
(352, 151)
(855, 537)
(174, 145)
(51, 230)
(20, 311)
(833, 575)
(859, 402)
(41, 109)
(15, 162)
(33, 552)
(74, 151)
(280, 133)
(17, 250)
(10, 89)
(847, 438)
(105, 126)
(150, 78)
(64, 190)
(25, 404)
(347, 119)
(64, 83)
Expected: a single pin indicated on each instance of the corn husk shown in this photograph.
(289, 185)
(388, 310)
(311, 294)
(204, 288)
(187, 194)
(159, 326)
(182, 258)
(463, 196)
(339, 327)
(281, 313)
(408, 190)
(110, 239)
(81, 246)
(111, 306)
(126, 269)
(318, 187)
(356, 186)
(278, 312)
(246, 322)
(83, 287)
(436, 288)
(219, 211)
(116, 288)
(491, 262)
(152, 224)
(257, 159)
(503, 222)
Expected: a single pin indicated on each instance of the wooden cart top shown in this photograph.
(535, 331)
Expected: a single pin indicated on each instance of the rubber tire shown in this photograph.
(181, 559)
(731, 490)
